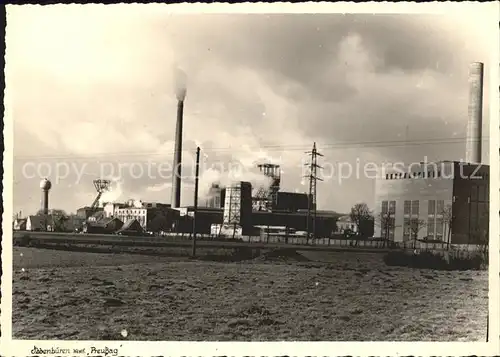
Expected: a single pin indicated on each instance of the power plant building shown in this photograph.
(435, 201)
(447, 200)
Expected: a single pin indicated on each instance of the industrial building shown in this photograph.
(447, 200)
(291, 202)
(241, 208)
(262, 207)
(297, 221)
(232, 211)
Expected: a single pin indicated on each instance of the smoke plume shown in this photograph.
(113, 193)
(224, 179)
(180, 82)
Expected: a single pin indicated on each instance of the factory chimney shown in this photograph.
(177, 166)
(45, 186)
(475, 122)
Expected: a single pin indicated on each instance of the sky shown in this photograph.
(92, 93)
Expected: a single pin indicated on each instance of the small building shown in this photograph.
(73, 223)
(37, 223)
(345, 223)
(86, 212)
(20, 224)
(97, 216)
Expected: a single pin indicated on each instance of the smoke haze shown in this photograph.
(114, 192)
(224, 179)
(137, 203)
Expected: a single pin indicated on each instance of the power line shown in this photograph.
(268, 148)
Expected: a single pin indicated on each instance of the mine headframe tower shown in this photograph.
(266, 197)
(101, 186)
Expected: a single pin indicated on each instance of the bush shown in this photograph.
(476, 262)
(435, 260)
(23, 241)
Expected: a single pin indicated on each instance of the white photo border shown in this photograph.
(9, 347)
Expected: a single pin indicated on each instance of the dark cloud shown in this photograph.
(299, 46)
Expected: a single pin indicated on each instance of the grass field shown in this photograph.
(333, 296)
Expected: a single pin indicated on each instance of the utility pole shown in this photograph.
(196, 199)
(313, 178)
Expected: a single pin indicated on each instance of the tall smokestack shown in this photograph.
(177, 167)
(475, 122)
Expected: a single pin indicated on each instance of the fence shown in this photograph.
(354, 243)
(334, 242)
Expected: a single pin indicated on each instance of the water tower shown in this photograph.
(45, 186)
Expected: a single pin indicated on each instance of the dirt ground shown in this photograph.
(333, 297)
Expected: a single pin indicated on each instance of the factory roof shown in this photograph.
(204, 209)
(321, 212)
(432, 169)
(131, 225)
(300, 211)
(103, 222)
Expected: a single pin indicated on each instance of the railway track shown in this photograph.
(162, 242)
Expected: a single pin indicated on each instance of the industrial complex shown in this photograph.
(232, 211)
(438, 201)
